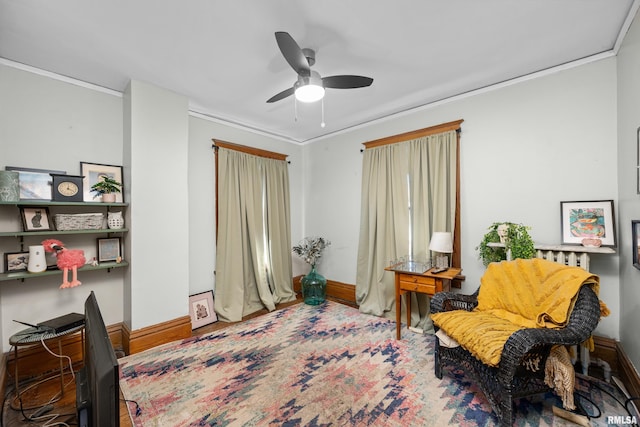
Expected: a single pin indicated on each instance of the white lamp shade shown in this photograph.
(309, 93)
(309, 88)
(441, 241)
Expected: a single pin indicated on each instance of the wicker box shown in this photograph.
(87, 221)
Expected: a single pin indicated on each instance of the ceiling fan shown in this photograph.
(310, 86)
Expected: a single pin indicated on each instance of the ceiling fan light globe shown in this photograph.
(309, 93)
(309, 88)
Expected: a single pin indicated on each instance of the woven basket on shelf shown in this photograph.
(88, 221)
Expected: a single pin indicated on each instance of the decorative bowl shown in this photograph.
(591, 243)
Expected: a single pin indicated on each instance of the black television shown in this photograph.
(97, 383)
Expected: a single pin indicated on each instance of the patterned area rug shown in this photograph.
(317, 366)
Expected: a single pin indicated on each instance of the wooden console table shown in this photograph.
(423, 282)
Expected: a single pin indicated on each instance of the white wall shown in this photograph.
(520, 144)
(524, 148)
(156, 174)
(42, 113)
(50, 124)
(628, 122)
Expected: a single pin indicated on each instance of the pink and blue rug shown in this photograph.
(326, 365)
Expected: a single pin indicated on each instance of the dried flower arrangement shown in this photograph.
(310, 249)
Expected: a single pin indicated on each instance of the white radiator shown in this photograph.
(573, 259)
(573, 255)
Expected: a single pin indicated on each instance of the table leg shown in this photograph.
(61, 367)
(15, 366)
(398, 312)
(407, 297)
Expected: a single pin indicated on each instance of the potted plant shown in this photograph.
(314, 285)
(515, 240)
(106, 187)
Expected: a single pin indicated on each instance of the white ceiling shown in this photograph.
(222, 54)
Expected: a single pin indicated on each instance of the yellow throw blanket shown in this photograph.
(531, 293)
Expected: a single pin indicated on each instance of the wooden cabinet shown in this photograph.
(10, 227)
(420, 282)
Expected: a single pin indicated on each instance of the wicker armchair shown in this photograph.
(510, 379)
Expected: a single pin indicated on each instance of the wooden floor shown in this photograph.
(64, 407)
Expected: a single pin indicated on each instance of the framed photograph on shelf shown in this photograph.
(15, 261)
(109, 249)
(201, 309)
(635, 242)
(588, 220)
(93, 172)
(35, 184)
(36, 219)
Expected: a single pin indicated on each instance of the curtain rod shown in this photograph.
(458, 131)
(255, 152)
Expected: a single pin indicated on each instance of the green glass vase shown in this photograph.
(314, 287)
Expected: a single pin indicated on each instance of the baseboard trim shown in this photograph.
(341, 292)
(155, 335)
(628, 373)
(3, 371)
(34, 360)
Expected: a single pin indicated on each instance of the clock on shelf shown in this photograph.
(66, 188)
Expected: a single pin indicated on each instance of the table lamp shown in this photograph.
(441, 243)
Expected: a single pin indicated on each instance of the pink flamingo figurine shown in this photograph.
(68, 259)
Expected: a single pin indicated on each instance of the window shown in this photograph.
(253, 260)
(410, 190)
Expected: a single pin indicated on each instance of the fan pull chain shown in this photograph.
(295, 109)
(322, 123)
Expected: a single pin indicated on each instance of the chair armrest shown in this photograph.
(583, 320)
(447, 301)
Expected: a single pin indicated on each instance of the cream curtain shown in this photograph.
(253, 263)
(411, 183)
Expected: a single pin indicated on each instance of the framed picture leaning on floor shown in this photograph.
(201, 309)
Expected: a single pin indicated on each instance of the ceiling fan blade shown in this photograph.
(281, 95)
(292, 53)
(346, 82)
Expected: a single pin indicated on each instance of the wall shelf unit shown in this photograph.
(57, 233)
(26, 275)
(50, 203)
(75, 207)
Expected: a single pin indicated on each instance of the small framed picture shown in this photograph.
(93, 173)
(588, 220)
(35, 184)
(635, 243)
(109, 249)
(15, 261)
(36, 219)
(201, 309)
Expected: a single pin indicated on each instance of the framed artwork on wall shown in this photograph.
(35, 184)
(635, 243)
(93, 172)
(588, 220)
(201, 309)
